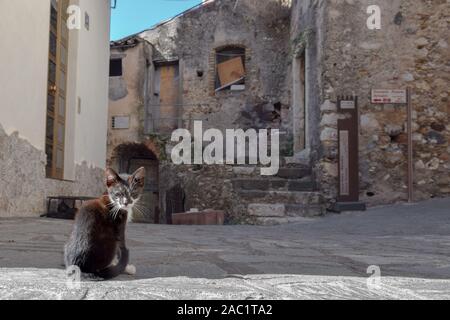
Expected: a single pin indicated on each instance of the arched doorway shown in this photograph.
(126, 159)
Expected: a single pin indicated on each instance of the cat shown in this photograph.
(97, 242)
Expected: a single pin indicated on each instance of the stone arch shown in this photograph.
(155, 148)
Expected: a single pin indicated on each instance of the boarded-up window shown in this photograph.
(230, 69)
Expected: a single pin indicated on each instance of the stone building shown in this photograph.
(287, 62)
(53, 113)
(345, 57)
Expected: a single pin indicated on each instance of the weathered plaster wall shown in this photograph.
(308, 37)
(411, 50)
(127, 95)
(263, 29)
(23, 186)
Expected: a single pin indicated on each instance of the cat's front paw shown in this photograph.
(130, 270)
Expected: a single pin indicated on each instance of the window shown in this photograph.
(115, 67)
(120, 122)
(230, 69)
(56, 90)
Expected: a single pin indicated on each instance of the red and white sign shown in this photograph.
(381, 96)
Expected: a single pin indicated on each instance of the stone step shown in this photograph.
(301, 210)
(294, 173)
(265, 211)
(283, 197)
(274, 184)
(279, 221)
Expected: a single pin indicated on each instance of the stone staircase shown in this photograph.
(290, 196)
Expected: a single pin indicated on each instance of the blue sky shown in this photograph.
(132, 16)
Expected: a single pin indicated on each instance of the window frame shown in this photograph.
(119, 74)
(241, 51)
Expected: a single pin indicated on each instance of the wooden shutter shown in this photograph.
(57, 87)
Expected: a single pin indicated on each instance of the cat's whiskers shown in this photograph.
(145, 211)
(140, 211)
(110, 205)
(114, 211)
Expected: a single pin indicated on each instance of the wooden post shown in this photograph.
(348, 154)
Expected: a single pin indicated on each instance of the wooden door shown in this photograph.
(169, 88)
(175, 202)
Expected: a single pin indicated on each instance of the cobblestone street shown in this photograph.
(318, 258)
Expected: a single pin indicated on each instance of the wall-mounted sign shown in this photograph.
(344, 164)
(348, 105)
(382, 96)
(348, 155)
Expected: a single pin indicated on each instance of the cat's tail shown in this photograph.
(116, 270)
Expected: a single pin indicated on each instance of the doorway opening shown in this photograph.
(165, 113)
(300, 101)
(127, 158)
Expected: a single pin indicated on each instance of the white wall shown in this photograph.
(88, 77)
(92, 84)
(24, 38)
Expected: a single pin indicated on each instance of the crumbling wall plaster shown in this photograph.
(23, 185)
(193, 38)
(129, 94)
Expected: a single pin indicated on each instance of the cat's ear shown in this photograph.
(138, 177)
(111, 177)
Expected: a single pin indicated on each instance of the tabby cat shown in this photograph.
(97, 243)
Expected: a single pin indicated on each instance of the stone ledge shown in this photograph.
(52, 284)
(208, 217)
(267, 210)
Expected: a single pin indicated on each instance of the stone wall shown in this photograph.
(23, 185)
(263, 29)
(192, 39)
(308, 38)
(205, 187)
(411, 50)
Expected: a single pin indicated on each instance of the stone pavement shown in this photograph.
(323, 258)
